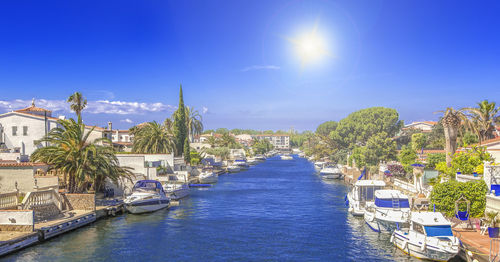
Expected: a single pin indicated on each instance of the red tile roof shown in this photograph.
(33, 109)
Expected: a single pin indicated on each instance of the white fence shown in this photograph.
(42, 198)
(9, 201)
(405, 186)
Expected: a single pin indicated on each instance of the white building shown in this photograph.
(122, 139)
(424, 126)
(279, 141)
(21, 129)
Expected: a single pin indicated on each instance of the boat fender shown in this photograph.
(422, 247)
(392, 238)
(403, 246)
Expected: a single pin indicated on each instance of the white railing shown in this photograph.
(41, 198)
(467, 178)
(405, 186)
(9, 201)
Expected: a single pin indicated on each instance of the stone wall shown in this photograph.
(79, 202)
(46, 212)
(17, 220)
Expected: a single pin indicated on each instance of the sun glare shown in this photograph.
(310, 47)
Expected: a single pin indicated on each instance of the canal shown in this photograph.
(278, 210)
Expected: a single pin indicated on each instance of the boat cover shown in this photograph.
(438, 231)
(382, 202)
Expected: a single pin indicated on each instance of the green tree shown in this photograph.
(436, 139)
(83, 161)
(262, 146)
(482, 119)
(407, 157)
(434, 159)
(194, 122)
(180, 129)
(78, 103)
(418, 141)
(212, 141)
(153, 138)
(358, 127)
(469, 138)
(187, 152)
(467, 162)
(379, 147)
(326, 128)
(445, 194)
(222, 131)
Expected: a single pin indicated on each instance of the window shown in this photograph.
(14, 131)
(418, 228)
(25, 130)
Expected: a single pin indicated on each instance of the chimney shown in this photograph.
(110, 126)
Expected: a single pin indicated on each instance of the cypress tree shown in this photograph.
(180, 129)
(187, 151)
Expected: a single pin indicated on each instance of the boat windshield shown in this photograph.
(441, 231)
(147, 186)
(392, 203)
(367, 193)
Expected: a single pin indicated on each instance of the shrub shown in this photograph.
(445, 194)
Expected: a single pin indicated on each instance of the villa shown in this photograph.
(279, 141)
(424, 126)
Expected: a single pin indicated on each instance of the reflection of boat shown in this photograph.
(362, 192)
(233, 168)
(176, 191)
(147, 196)
(390, 210)
(429, 237)
(208, 176)
(286, 157)
(330, 172)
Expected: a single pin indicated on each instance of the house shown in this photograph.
(25, 177)
(122, 139)
(424, 126)
(279, 141)
(21, 129)
(244, 139)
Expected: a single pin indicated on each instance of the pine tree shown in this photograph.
(180, 129)
(187, 151)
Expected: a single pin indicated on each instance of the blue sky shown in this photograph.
(237, 66)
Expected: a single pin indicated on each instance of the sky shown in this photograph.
(238, 63)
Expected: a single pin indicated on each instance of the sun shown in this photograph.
(310, 46)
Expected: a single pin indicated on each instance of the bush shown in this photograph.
(445, 194)
(434, 159)
(466, 162)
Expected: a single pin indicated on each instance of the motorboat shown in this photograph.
(330, 172)
(241, 163)
(362, 193)
(176, 191)
(428, 237)
(286, 157)
(390, 210)
(147, 196)
(208, 176)
(302, 154)
(252, 161)
(318, 165)
(233, 168)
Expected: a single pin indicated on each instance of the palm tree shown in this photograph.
(85, 162)
(154, 138)
(482, 119)
(452, 119)
(194, 122)
(212, 141)
(78, 103)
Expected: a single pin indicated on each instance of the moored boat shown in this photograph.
(429, 237)
(330, 172)
(286, 157)
(208, 176)
(390, 210)
(363, 192)
(260, 158)
(241, 163)
(147, 196)
(233, 169)
(176, 191)
(318, 165)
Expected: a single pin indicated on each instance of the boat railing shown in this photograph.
(9, 200)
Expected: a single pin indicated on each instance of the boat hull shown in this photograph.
(147, 206)
(354, 207)
(415, 249)
(209, 179)
(178, 194)
(330, 175)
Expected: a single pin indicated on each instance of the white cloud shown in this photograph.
(260, 67)
(205, 110)
(93, 107)
(127, 120)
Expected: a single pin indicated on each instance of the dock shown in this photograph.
(477, 247)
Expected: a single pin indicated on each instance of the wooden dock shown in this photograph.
(476, 247)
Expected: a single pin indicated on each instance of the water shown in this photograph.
(278, 210)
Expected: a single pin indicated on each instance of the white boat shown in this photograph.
(233, 168)
(301, 154)
(252, 161)
(318, 165)
(390, 210)
(147, 196)
(260, 158)
(363, 192)
(330, 172)
(208, 176)
(286, 157)
(429, 237)
(241, 163)
(176, 191)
